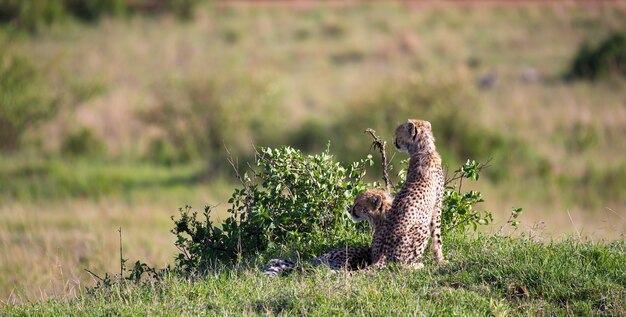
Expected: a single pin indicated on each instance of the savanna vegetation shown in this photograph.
(119, 116)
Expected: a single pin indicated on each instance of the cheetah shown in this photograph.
(372, 206)
(416, 210)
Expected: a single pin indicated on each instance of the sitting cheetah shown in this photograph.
(371, 206)
(416, 210)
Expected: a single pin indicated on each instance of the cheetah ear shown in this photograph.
(427, 125)
(412, 129)
(377, 201)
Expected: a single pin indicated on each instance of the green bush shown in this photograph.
(288, 202)
(23, 99)
(91, 10)
(31, 15)
(180, 8)
(162, 151)
(82, 142)
(608, 58)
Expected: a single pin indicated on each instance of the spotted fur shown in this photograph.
(372, 206)
(416, 211)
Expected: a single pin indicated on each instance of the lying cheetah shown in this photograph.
(371, 206)
(416, 210)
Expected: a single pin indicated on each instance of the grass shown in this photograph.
(63, 217)
(55, 179)
(135, 68)
(60, 213)
(495, 276)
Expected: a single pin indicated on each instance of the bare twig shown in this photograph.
(378, 143)
(613, 211)
(235, 165)
(252, 170)
(247, 203)
(509, 221)
(573, 225)
(95, 275)
(457, 223)
(184, 251)
(121, 255)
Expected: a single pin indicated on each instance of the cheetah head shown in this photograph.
(415, 136)
(371, 206)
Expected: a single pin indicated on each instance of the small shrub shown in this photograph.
(608, 58)
(92, 10)
(458, 211)
(23, 99)
(290, 202)
(31, 15)
(162, 151)
(82, 142)
(183, 9)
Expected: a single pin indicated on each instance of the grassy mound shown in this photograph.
(485, 276)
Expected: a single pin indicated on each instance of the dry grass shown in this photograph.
(47, 246)
(554, 220)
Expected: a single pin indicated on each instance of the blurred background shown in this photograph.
(115, 113)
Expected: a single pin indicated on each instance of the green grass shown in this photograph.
(486, 276)
(24, 179)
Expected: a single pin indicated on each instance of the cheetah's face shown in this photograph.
(367, 205)
(414, 133)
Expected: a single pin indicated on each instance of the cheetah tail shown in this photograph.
(278, 266)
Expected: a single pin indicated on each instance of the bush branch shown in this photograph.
(459, 175)
(380, 145)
